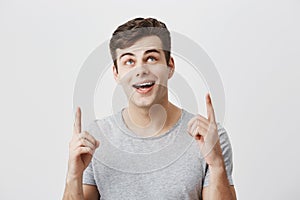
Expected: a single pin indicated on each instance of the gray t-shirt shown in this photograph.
(167, 166)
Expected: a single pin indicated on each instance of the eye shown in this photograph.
(129, 62)
(151, 59)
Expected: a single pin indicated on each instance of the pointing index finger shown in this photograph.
(77, 124)
(210, 109)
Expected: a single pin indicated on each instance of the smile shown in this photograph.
(144, 87)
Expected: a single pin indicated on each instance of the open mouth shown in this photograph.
(144, 85)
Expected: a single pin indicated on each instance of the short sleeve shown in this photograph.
(88, 175)
(227, 155)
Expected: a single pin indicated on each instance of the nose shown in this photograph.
(142, 70)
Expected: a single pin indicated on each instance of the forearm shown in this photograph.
(73, 189)
(219, 187)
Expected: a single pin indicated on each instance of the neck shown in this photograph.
(153, 120)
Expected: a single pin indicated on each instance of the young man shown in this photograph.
(143, 65)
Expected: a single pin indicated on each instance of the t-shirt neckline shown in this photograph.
(130, 133)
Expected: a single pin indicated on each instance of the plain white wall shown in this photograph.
(255, 45)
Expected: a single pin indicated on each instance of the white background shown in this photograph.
(254, 44)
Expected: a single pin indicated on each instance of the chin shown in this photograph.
(146, 101)
(143, 103)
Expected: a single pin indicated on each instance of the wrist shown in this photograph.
(73, 178)
(73, 188)
(218, 176)
(217, 167)
(218, 163)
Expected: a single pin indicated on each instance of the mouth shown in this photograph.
(145, 84)
(144, 87)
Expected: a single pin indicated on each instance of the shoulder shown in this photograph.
(187, 116)
(223, 135)
(225, 145)
(105, 123)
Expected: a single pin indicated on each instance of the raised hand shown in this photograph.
(81, 148)
(205, 131)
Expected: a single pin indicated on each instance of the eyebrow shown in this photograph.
(146, 52)
(151, 51)
(125, 54)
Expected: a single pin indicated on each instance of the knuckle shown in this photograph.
(82, 141)
(81, 134)
(82, 150)
(85, 133)
(87, 149)
(213, 126)
(77, 152)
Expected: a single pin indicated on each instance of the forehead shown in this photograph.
(142, 45)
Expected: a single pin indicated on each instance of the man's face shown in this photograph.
(143, 72)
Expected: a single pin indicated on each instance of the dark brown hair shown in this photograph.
(128, 33)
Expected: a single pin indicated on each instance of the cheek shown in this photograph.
(162, 73)
(125, 76)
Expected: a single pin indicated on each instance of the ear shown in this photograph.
(171, 67)
(116, 74)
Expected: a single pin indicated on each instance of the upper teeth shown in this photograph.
(144, 84)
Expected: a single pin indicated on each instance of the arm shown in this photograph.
(219, 187)
(90, 192)
(81, 149)
(75, 190)
(205, 131)
(206, 193)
